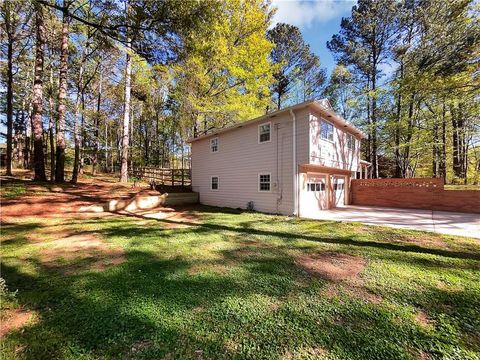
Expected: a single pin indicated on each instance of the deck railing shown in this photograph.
(164, 176)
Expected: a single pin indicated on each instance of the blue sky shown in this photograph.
(318, 21)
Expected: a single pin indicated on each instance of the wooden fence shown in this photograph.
(427, 193)
(164, 176)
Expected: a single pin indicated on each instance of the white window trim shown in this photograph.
(258, 181)
(258, 133)
(218, 182)
(333, 131)
(218, 145)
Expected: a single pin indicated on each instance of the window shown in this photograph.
(351, 142)
(315, 187)
(326, 130)
(264, 182)
(214, 183)
(214, 145)
(264, 133)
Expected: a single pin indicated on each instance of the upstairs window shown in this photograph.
(351, 142)
(264, 132)
(214, 183)
(264, 182)
(326, 131)
(214, 145)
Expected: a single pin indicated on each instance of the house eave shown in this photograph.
(316, 105)
(252, 121)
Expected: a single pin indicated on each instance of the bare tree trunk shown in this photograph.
(62, 94)
(82, 135)
(398, 165)
(97, 125)
(368, 153)
(435, 151)
(37, 103)
(9, 31)
(126, 110)
(51, 131)
(458, 143)
(410, 124)
(25, 122)
(106, 147)
(443, 151)
(76, 163)
(398, 168)
(374, 129)
(112, 167)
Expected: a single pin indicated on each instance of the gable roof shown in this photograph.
(323, 106)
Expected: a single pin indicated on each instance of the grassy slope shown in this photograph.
(230, 288)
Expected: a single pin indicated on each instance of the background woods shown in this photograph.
(116, 85)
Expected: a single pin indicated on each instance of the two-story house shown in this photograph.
(298, 160)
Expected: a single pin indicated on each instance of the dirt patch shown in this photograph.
(332, 266)
(80, 252)
(424, 356)
(424, 240)
(273, 307)
(14, 319)
(342, 273)
(198, 309)
(422, 318)
(49, 200)
(231, 346)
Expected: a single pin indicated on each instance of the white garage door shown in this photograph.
(313, 194)
(339, 191)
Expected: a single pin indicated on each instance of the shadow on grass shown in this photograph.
(155, 302)
(152, 306)
(247, 229)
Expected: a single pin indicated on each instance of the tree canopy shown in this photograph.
(125, 83)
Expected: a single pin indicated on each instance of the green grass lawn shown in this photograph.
(238, 285)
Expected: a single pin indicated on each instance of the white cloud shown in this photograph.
(304, 13)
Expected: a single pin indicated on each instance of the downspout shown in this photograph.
(279, 184)
(295, 177)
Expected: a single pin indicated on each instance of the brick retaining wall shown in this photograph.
(426, 194)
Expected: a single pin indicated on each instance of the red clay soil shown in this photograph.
(342, 272)
(66, 200)
(13, 320)
(332, 266)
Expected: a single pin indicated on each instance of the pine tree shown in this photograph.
(363, 43)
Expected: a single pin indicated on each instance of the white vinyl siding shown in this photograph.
(240, 160)
(337, 153)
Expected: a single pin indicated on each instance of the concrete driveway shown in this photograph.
(451, 223)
